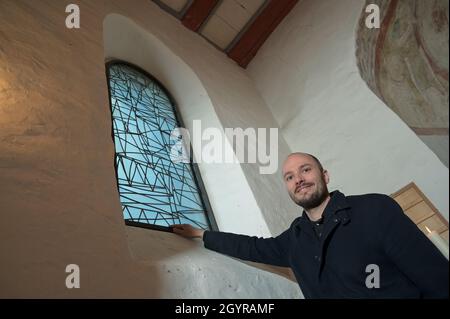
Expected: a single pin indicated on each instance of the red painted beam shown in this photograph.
(248, 45)
(197, 13)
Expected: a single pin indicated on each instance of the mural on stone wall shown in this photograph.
(405, 62)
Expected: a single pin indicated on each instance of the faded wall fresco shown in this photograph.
(405, 63)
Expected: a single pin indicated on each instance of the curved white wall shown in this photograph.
(58, 198)
(226, 185)
(237, 192)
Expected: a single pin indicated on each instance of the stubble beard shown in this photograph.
(316, 198)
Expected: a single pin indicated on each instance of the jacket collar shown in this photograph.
(337, 208)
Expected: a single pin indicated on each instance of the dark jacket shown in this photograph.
(358, 232)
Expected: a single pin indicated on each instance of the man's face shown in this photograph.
(305, 182)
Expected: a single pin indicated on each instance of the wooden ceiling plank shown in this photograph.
(251, 41)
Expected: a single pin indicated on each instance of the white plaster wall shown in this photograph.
(58, 198)
(230, 195)
(186, 270)
(439, 144)
(236, 102)
(307, 74)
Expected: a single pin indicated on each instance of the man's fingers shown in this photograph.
(179, 226)
(185, 230)
(180, 229)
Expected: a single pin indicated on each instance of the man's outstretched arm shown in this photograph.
(273, 251)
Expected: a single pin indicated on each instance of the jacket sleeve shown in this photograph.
(413, 253)
(273, 251)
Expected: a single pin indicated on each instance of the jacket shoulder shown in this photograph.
(377, 204)
(372, 198)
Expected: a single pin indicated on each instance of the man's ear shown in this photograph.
(326, 176)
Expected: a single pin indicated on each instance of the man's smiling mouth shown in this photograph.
(300, 188)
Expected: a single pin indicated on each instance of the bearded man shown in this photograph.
(338, 241)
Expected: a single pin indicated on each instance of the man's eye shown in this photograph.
(288, 178)
(306, 169)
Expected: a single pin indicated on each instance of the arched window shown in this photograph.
(155, 192)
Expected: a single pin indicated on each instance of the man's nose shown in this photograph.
(298, 179)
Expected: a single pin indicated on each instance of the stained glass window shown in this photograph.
(153, 189)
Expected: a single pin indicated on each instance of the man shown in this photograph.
(342, 246)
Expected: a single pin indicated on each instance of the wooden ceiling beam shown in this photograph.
(197, 13)
(257, 33)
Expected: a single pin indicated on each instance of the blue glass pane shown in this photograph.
(152, 188)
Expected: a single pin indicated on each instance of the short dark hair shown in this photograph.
(316, 160)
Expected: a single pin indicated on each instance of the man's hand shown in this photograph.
(187, 231)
